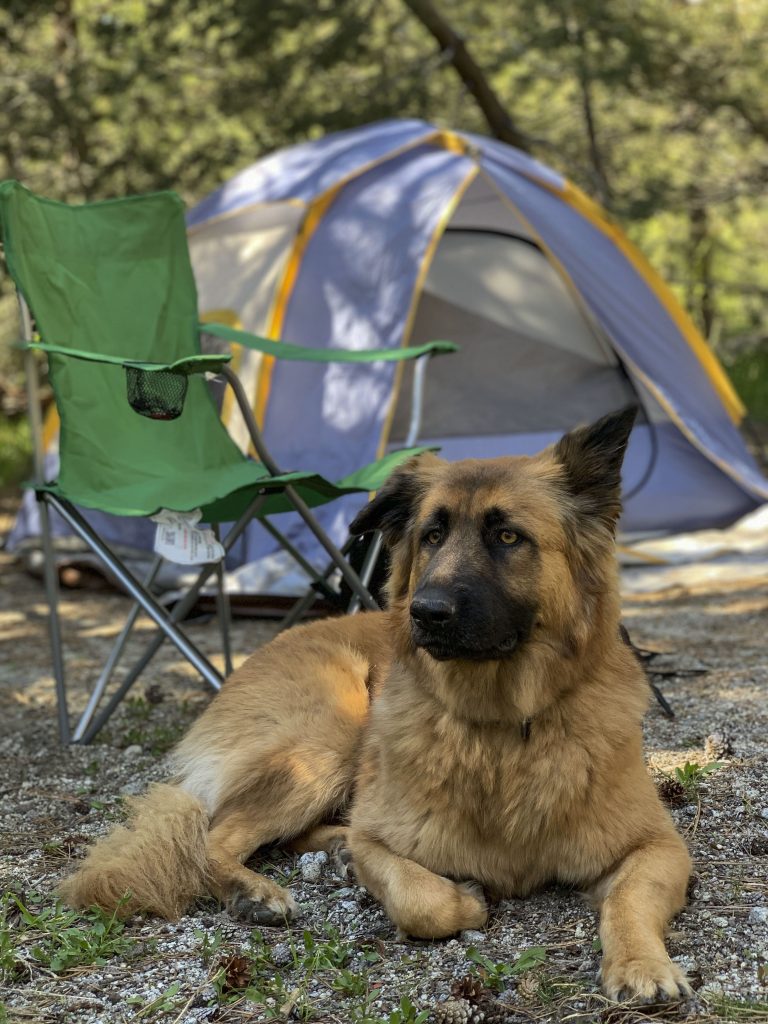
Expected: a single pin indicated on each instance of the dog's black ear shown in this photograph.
(592, 458)
(391, 510)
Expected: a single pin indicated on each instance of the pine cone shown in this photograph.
(528, 986)
(237, 972)
(717, 746)
(468, 988)
(457, 1011)
(672, 793)
(495, 1012)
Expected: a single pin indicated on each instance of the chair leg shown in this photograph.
(366, 570)
(114, 657)
(223, 611)
(51, 578)
(310, 596)
(155, 611)
(179, 611)
(346, 570)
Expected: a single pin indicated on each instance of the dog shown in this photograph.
(480, 736)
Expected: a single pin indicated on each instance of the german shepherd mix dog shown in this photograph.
(484, 733)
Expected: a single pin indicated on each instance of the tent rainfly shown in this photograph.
(400, 232)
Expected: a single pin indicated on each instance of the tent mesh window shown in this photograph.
(157, 394)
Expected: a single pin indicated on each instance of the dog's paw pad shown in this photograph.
(271, 912)
(646, 981)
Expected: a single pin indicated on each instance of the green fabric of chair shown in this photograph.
(111, 286)
(113, 297)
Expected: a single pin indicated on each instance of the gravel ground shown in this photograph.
(536, 961)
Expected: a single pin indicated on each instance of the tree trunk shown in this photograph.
(499, 121)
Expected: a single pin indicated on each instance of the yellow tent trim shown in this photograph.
(450, 141)
(565, 277)
(242, 209)
(315, 212)
(50, 426)
(418, 288)
(636, 371)
(709, 361)
(231, 319)
(309, 225)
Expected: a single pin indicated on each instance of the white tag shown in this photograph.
(178, 539)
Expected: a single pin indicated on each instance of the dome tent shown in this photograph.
(400, 232)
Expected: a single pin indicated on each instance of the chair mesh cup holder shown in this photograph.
(157, 394)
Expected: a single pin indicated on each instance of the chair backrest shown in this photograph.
(113, 278)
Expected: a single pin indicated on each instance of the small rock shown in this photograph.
(764, 813)
(281, 954)
(720, 922)
(758, 915)
(346, 893)
(578, 932)
(132, 789)
(471, 936)
(717, 746)
(312, 865)
(132, 752)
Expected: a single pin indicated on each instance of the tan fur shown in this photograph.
(504, 774)
(160, 860)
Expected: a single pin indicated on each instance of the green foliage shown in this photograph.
(406, 1013)
(658, 110)
(15, 451)
(156, 737)
(250, 973)
(496, 975)
(727, 1008)
(691, 775)
(43, 932)
(166, 1002)
(749, 372)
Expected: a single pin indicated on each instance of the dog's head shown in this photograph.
(487, 552)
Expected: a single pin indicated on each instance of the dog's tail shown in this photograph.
(156, 862)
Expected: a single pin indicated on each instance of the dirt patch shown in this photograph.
(341, 961)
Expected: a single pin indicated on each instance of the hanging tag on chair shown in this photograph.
(179, 540)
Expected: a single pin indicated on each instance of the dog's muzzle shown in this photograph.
(446, 631)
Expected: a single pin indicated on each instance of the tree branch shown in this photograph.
(450, 42)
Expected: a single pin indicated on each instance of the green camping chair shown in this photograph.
(111, 290)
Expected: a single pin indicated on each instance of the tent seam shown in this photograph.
(418, 288)
(594, 323)
(321, 203)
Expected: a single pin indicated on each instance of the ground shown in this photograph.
(537, 960)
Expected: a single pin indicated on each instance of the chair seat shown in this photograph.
(225, 492)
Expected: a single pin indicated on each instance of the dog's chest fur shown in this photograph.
(494, 801)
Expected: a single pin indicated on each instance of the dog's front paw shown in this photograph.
(272, 908)
(473, 905)
(649, 980)
(341, 858)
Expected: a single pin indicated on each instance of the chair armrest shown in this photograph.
(186, 366)
(285, 350)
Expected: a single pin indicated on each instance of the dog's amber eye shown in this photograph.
(434, 537)
(509, 537)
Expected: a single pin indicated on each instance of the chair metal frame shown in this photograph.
(94, 717)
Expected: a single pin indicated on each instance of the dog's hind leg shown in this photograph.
(247, 895)
(419, 902)
(636, 902)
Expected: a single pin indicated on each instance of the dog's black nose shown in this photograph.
(432, 609)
